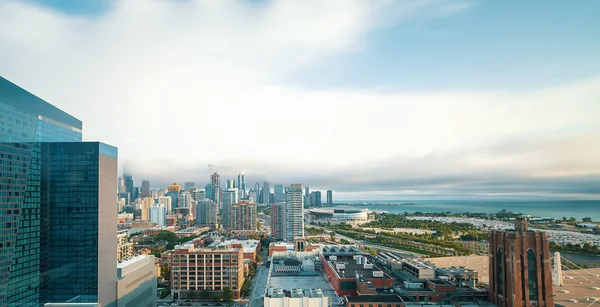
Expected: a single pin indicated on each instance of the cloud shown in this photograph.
(177, 85)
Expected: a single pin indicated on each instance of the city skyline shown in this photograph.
(396, 100)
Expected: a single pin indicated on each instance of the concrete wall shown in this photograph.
(138, 287)
(296, 302)
(107, 231)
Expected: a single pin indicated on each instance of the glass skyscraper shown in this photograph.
(32, 199)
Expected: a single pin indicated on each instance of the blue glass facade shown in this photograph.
(25, 122)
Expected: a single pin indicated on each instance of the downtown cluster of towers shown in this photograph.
(234, 203)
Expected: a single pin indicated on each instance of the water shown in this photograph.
(555, 209)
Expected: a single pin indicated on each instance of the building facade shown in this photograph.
(294, 212)
(278, 221)
(206, 212)
(158, 215)
(329, 197)
(136, 282)
(230, 197)
(173, 192)
(520, 273)
(242, 184)
(215, 186)
(145, 190)
(196, 272)
(243, 217)
(124, 247)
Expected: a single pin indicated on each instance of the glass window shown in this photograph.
(532, 275)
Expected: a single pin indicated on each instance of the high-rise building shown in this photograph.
(243, 217)
(266, 193)
(56, 190)
(315, 198)
(198, 194)
(206, 212)
(253, 196)
(230, 184)
(294, 212)
(166, 201)
(145, 190)
(173, 192)
(188, 186)
(257, 191)
(185, 200)
(158, 215)
(222, 267)
(128, 178)
(329, 197)
(229, 198)
(279, 193)
(306, 192)
(278, 221)
(242, 184)
(208, 190)
(136, 282)
(520, 273)
(145, 207)
(215, 185)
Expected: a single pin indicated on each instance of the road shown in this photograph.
(259, 283)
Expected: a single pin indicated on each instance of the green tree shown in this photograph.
(258, 258)
(587, 219)
(332, 237)
(165, 235)
(227, 294)
(165, 272)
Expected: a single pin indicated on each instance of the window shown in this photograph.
(499, 260)
(532, 275)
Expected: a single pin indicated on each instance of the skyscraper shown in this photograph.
(243, 217)
(266, 193)
(166, 201)
(278, 221)
(294, 212)
(185, 200)
(35, 229)
(158, 215)
(145, 191)
(208, 190)
(173, 192)
(128, 178)
(242, 184)
(315, 198)
(206, 212)
(230, 184)
(230, 197)
(215, 184)
(198, 194)
(188, 186)
(520, 273)
(329, 197)
(279, 192)
(257, 190)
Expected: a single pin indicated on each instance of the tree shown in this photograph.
(165, 235)
(564, 218)
(227, 294)
(587, 219)
(332, 237)
(165, 272)
(572, 219)
(258, 258)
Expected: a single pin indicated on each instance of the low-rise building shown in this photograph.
(124, 247)
(136, 282)
(198, 271)
(354, 275)
(249, 247)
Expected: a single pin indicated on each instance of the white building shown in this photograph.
(158, 215)
(165, 201)
(185, 200)
(312, 298)
(294, 203)
(136, 282)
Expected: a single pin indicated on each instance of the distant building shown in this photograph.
(173, 192)
(223, 267)
(329, 197)
(136, 282)
(206, 212)
(230, 197)
(188, 186)
(266, 193)
(124, 247)
(166, 201)
(294, 212)
(185, 200)
(230, 184)
(243, 217)
(215, 184)
(242, 184)
(198, 194)
(208, 191)
(145, 189)
(315, 198)
(278, 221)
(520, 273)
(158, 215)
(279, 193)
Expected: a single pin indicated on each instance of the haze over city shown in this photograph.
(371, 99)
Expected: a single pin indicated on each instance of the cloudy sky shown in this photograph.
(372, 99)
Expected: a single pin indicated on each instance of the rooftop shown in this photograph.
(247, 245)
(351, 268)
(477, 263)
(374, 298)
(127, 266)
(302, 282)
(584, 283)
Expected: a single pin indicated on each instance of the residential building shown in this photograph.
(147, 202)
(329, 197)
(230, 197)
(124, 247)
(250, 248)
(206, 212)
(145, 190)
(294, 212)
(215, 189)
(243, 217)
(242, 184)
(165, 201)
(230, 184)
(136, 282)
(194, 271)
(278, 221)
(266, 193)
(315, 198)
(173, 192)
(279, 193)
(185, 200)
(520, 273)
(158, 215)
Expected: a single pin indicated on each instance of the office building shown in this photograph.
(306, 192)
(257, 191)
(33, 226)
(124, 247)
(243, 217)
(208, 190)
(197, 271)
(253, 196)
(329, 197)
(145, 208)
(145, 190)
(315, 198)
(278, 221)
(215, 185)
(136, 282)
(165, 201)
(173, 192)
(198, 194)
(158, 215)
(185, 200)
(242, 184)
(520, 273)
(294, 212)
(230, 197)
(188, 186)
(206, 212)
(266, 193)
(279, 194)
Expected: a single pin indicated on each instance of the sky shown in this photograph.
(430, 99)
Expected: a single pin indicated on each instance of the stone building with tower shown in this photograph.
(520, 273)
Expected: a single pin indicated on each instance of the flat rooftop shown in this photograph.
(389, 298)
(477, 263)
(583, 284)
(247, 245)
(303, 282)
(352, 268)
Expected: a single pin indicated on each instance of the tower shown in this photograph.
(266, 192)
(520, 272)
(329, 197)
(215, 187)
(294, 212)
(557, 276)
(242, 184)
